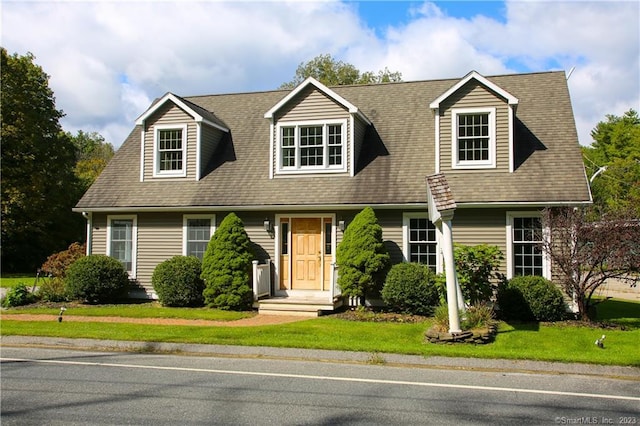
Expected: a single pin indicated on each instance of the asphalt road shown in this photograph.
(71, 387)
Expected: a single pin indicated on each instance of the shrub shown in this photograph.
(97, 279)
(477, 316)
(177, 281)
(476, 267)
(52, 290)
(56, 265)
(226, 266)
(410, 288)
(361, 256)
(528, 298)
(18, 295)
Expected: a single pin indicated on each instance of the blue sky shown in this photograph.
(109, 60)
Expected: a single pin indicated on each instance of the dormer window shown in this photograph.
(312, 147)
(170, 151)
(474, 141)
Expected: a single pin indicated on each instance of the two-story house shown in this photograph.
(297, 165)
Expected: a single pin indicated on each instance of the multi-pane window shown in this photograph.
(473, 137)
(327, 236)
(284, 237)
(198, 235)
(170, 150)
(527, 246)
(422, 243)
(121, 242)
(317, 147)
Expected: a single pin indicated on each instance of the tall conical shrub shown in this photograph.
(362, 256)
(226, 266)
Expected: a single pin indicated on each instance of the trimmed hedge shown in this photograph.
(97, 279)
(530, 298)
(411, 288)
(177, 282)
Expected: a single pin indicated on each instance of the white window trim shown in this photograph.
(406, 252)
(484, 164)
(134, 240)
(185, 232)
(546, 262)
(156, 157)
(325, 168)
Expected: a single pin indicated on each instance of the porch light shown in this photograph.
(341, 225)
(267, 225)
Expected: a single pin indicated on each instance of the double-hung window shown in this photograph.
(473, 144)
(121, 234)
(197, 231)
(170, 150)
(312, 147)
(420, 240)
(526, 235)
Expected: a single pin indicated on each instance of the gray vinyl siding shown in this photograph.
(474, 95)
(169, 113)
(360, 128)
(209, 143)
(159, 238)
(311, 104)
(99, 234)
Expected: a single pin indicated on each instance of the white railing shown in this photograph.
(261, 279)
(335, 288)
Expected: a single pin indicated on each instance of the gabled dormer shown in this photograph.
(314, 131)
(178, 138)
(474, 126)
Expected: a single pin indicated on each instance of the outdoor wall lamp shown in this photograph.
(267, 225)
(341, 225)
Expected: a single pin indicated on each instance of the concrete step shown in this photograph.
(288, 306)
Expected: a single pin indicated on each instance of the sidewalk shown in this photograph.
(292, 354)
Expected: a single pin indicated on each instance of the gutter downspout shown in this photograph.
(89, 217)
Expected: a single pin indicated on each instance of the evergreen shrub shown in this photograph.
(362, 257)
(530, 298)
(226, 267)
(18, 295)
(177, 282)
(97, 279)
(410, 288)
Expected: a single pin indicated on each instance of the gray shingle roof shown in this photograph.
(398, 154)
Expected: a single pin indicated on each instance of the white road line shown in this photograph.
(336, 379)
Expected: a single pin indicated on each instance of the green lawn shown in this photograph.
(546, 342)
(11, 280)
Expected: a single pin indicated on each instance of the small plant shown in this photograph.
(18, 295)
(52, 290)
(226, 267)
(97, 279)
(477, 267)
(529, 298)
(477, 316)
(410, 288)
(441, 317)
(177, 282)
(376, 359)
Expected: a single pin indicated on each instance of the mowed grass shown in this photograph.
(561, 342)
(11, 280)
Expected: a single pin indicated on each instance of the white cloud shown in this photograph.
(109, 60)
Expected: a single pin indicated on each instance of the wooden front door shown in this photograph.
(306, 253)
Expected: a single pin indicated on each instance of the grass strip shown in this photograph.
(558, 343)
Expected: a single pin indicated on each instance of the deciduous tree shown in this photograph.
(587, 253)
(331, 72)
(38, 186)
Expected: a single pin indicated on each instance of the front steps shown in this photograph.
(295, 307)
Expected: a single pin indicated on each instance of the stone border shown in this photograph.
(478, 337)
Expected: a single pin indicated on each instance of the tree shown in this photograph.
(331, 72)
(587, 253)
(92, 155)
(613, 162)
(38, 187)
(362, 256)
(226, 266)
